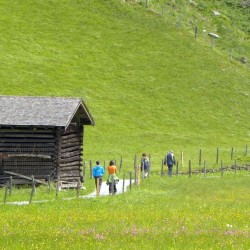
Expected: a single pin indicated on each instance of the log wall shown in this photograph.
(70, 160)
(39, 152)
(27, 151)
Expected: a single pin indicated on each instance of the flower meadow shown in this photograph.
(162, 213)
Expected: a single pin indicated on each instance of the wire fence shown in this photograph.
(135, 174)
(209, 31)
(213, 159)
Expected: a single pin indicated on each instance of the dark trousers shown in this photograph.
(170, 170)
(114, 188)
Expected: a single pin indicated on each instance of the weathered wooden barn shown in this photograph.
(42, 136)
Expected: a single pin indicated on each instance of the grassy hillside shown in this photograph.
(227, 18)
(149, 86)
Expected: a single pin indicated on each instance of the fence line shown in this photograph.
(168, 8)
(227, 155)
(138, 176)
(205, 170)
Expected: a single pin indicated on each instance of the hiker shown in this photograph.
(145, 165)
(170, 162)
(98, 171)
(112, 178)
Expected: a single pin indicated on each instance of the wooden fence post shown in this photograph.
(57, 187)
(84, 169)
(138, 176)
(135, 160)
(221, 169)
(162, 166)
(10, 186)
(182, 159)
(32, 189)
(78, 187)
(217, 155)
(235, 167)
(5, 193)
(120, 164)
(190, 168)
(130, 180)
(177, 168)
(135, 171)
(200, 154)
(232, 153)
(49, 183)
(205, 169)
(195, 31)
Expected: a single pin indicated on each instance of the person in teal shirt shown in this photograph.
(97, 172)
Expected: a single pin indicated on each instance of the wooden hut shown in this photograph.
(42, 136)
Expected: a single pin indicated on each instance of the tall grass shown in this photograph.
(172, 213)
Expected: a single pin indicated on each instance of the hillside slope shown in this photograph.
(148, 85)
(228, 19)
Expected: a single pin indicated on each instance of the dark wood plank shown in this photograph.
(71, 164)
(68, 145)
(71, 159)
(72, 140)
(71, 154)
(71, 149)
(70, 173)
(24, 177)
(27, 140)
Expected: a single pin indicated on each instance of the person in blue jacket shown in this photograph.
(97, 172)
(170, 162)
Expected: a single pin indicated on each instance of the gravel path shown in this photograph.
(105, 189)
(103, 192)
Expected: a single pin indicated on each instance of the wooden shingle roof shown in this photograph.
(42, 111)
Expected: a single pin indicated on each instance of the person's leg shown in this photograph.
(115, 189)
(170, 170)
(110, 188)
(100, 183)
(95, 182)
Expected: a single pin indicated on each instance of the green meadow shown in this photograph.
(162, 213)
(151, 86)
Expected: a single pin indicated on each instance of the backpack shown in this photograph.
(169, 159)
(145, 163)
